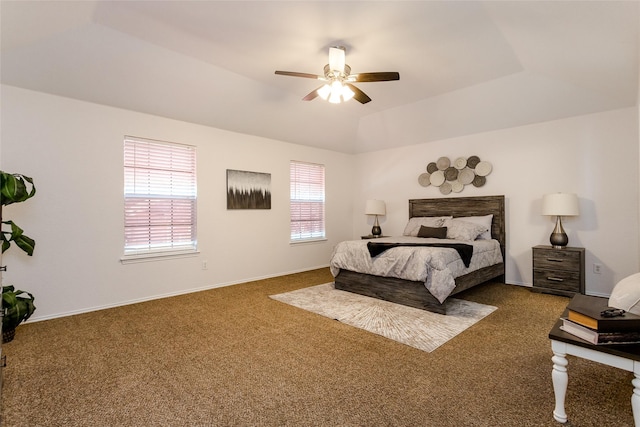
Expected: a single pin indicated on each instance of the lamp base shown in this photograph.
(376, 230)
(559, 238)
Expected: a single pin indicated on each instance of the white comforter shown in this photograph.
(436, 267)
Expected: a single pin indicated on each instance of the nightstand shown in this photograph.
(371, 236)
(558, 271)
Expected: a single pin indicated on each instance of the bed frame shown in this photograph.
(415, 294)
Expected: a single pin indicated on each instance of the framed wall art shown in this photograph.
(248, 190)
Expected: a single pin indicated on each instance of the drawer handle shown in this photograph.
(555, 279)
(555, 260)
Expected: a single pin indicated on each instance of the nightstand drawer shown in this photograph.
(558, 271)
(554, 259)
(559, 280)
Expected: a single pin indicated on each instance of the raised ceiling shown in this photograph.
(465, 67)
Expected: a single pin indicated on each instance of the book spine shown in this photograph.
(606, 325)
(595, 337)
(618, 338)
(569, 328)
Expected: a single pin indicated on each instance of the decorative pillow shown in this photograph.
(626, 294)
(437, 232)
(413, 226)
(485, 221)
(463, 230)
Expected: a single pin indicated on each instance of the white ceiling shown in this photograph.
(465, 67)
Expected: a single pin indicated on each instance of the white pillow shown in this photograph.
(414, 224)
(485, 221)
(463, 230)
(626, 294)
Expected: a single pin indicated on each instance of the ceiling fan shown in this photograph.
(339, 81)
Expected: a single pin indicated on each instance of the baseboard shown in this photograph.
(170, 294)
(528, 285)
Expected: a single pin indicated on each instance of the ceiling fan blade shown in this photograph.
(295, 74)
(337, 58)
(376, 77)
(359, 95)
(312, 95)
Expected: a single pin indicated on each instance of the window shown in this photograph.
(307, 201)
(159, 198)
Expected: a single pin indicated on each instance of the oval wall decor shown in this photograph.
(445, 188)
(466, 176)
(453, 176)
(437, 178)
(457, 186)
(460, 163)
(473, 161)
(479, 181)
(443, 163)
(451, 173)
(424, 179)
(483, 168)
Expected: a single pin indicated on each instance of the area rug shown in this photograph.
(411, 326)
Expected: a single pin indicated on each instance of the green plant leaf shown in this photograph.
(25, 243)
(15, 230)
(7, 187)
(16, 235)
(14, 188)
(18, 308)
(9, 298)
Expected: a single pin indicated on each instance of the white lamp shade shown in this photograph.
(375, 207)
(560, 204)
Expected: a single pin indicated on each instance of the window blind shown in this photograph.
(307, 201)
(160, 197)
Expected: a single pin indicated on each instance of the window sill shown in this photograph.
(158, 256)
(316, 240)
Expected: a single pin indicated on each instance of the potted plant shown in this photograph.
(15, 188)
(17, 309)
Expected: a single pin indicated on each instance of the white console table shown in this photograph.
(625, 357)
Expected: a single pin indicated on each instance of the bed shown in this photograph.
(414, 293)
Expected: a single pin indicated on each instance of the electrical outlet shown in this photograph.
(204, 265)
(597, 268)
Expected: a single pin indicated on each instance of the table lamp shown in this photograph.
(560, 204)
(375, 207)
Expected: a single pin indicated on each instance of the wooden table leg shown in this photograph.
(635, 397)
(560, 381)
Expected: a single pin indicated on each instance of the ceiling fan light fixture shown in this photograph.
(336, 93)
(347, 93)
(324, 92)
(339, 81)
(335, 97)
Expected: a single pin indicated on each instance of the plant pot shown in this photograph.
(7, 336)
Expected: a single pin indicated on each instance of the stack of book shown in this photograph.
(585, 321)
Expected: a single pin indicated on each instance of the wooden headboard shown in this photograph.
(465, 206)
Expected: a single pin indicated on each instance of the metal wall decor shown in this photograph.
(453, 177)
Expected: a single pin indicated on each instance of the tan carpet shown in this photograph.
(407, 325)
(234, 357)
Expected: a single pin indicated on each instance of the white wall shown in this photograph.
(73, 150)
(594, 156)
